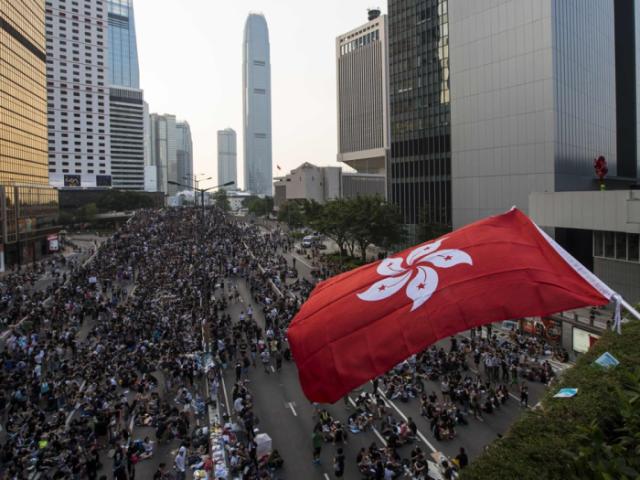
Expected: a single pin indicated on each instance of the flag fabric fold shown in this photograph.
(362, 323)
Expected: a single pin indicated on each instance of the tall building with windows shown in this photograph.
(256, 96)
(538, 90)
(126, 100)
(28, 206)
(420, 159)
(227, 157)
(123, 48)
(184, 154)
(126, 125)
(363, 96)
(23, 109)
(78, 93)
(164, 152)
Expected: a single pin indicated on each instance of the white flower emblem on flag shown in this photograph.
(420, 281)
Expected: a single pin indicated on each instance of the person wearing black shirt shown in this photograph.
(338, 463)
(160, 473)
(462, 458)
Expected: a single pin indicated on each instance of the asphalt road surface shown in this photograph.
(288, 417)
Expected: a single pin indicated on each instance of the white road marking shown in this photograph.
(226, 397)
(293, 410)
(133, 418)
(420, 435)
(384, 442)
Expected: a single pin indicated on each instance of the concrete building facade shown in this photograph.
(256, 98)
(126, 124)
(610, 221)
(535, 98)
(321, 184)
(78, 93)
(227, 158)
(363, 96)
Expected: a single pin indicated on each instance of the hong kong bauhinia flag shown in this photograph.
(360, 324)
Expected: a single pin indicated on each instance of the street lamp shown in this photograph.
(201, 190)
(195, 179)
(204, 285)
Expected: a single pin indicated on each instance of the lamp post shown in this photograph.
(201, 190)
(196, 180)
(204, 285)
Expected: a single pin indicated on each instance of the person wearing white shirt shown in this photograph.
(181, 464)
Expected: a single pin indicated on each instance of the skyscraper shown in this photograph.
(23, 93)
(256, 96)
(123, 50)
(78, 94)
(227, 157)
(163, 151)
(126, 100)
(420, 161)
(363, 95)
(28, 206)
(184, 154)
(126, 124)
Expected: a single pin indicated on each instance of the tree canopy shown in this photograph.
(118, 200)
(222, 200)
(359, 222)
(292, 213)
(260, 207)
(594, 435)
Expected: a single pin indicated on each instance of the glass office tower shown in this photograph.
(126, 100)
(123, 50)
(23, 93)
(420, 160)
(28, 206)
(256, 97)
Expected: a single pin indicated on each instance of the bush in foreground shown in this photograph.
(595, 435)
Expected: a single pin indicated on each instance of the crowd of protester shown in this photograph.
(113, 346)
(110, 349)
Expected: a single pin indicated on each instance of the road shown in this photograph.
(287, 416)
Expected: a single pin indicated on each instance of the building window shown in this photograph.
(621, 246)
(617, 246)
(609, 244)
(633, 247)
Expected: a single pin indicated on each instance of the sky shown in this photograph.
(190, 54)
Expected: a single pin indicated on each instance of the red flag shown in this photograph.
(362, 323)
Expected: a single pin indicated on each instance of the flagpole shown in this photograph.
(590, 277)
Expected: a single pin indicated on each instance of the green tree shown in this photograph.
(312, 211)
(373, 221)
(87, 213)
(118, 200)
(333, 221)
(258, 206)
(292, 213)
(222, 200)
